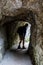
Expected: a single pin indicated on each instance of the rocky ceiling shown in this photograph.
(14, 7)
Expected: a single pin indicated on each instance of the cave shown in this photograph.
(13, 14)
(10, 25)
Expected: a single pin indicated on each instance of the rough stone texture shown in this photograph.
(15, 7)
(10, 7)
(2, 41)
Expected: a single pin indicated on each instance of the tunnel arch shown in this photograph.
(28, 16)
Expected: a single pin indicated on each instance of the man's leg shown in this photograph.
(23, 43)
(19, 44)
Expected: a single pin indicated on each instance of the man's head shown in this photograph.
(26, 25)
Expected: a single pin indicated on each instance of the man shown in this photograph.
(22, 32)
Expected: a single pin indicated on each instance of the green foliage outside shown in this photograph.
(27, 39)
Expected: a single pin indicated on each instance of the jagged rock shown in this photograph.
(16, 7)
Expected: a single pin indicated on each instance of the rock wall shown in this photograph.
(16, 7)
(2, 41)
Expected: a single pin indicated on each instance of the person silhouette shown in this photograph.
(22, 32)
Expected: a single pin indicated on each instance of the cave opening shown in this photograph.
(11, 25)
(17, 38)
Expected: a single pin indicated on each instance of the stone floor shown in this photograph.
(16, 57)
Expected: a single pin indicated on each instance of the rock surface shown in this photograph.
(15, 7)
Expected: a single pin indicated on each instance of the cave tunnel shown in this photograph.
(11, 25)
(16, 38)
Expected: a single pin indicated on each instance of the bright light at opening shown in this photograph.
(27, 38)
(0, 56)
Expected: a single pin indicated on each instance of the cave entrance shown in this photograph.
(11, 25)
(17, 38)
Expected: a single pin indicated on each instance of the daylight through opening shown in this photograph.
(17, 37)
